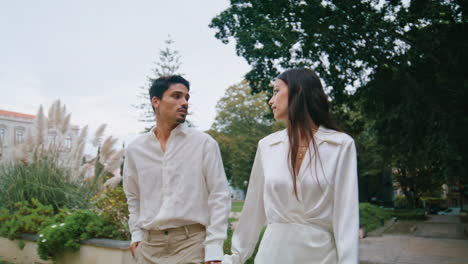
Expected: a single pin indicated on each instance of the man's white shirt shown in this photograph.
(184, 185)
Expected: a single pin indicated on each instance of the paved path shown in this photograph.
(439, 240)
(413, 250)
(441, 226)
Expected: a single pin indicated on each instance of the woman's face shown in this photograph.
(279, 100)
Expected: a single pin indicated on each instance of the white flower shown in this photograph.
(68, 213)
(41, 235)
(44, 240)
(62, 224)
(54, 226)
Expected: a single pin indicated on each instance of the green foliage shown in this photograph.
(371, 155)
(401, 202)
(64, 230)
(409, 214)
(66, 236)
(371, 217)
(112, 208)
(240, 123)
(21, 244)
(25, 217)
(404, 62)
(237, 206)
(168, 63)
(227, 243)
(42, 180)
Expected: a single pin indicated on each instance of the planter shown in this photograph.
(93, 251)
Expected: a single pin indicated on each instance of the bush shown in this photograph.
(41, 180)
(409, 214)
(112, 207)
(66, 236)
(25, 217)
(57, 232)
(371, 216)
(401, 202)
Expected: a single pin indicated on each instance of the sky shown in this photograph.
(95, 55)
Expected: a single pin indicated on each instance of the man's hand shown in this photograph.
(133, 247)
(213, 262)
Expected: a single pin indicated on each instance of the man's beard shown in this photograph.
(180, 120)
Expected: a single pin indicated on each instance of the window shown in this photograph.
(2, 135)
(68, 143)
(19, 135)
(51, 138)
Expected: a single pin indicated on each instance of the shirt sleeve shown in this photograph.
(346, 206)
(219, 202)
(252, 218)
(132, 191)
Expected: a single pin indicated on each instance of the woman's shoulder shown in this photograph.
(333, 136)
(273, 138)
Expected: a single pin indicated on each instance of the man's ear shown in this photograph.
(155, 101)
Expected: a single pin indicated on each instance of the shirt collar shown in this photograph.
(179, 129)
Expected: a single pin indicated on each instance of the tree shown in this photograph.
(168, 64)
(405, 62)
(240, 123)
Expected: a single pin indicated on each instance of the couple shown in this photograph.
(303, 185)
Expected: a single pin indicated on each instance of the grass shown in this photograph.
(371, 216)
(237, 206)
(43, 180)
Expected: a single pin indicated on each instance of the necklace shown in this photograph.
(301, 151)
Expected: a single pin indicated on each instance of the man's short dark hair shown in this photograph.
(160, 85)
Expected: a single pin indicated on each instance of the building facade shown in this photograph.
(14, 127)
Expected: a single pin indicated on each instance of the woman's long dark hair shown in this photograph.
(307, 105)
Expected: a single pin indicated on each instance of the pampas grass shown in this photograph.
(47, 140)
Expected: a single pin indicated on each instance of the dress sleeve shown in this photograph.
(346, 206)
(252, 219)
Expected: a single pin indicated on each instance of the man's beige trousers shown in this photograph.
(181, 245)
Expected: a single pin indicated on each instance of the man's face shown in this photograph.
(173, 106)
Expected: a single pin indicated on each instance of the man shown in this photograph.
(174, 180)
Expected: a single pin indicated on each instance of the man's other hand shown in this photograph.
(133, 247)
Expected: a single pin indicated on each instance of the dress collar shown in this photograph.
(322, 134)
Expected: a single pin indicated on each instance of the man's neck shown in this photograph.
(163, 130)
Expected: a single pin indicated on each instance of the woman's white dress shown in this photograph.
(322, 226)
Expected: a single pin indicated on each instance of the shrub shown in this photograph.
(66, 236)
(401, 202)
(409, 214)
(25, 217)
(112, 207)
(371, 216)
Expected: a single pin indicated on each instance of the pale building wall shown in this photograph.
(13, 131)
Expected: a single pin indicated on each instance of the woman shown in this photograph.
(303, 184)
